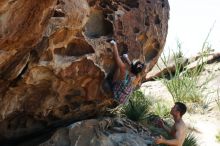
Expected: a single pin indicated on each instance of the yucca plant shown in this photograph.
(137, 107)
(184, 85)
(183, 89)
(161, 109)
(190, 140)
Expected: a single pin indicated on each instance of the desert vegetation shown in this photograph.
(138, 106)
(146, 110)
(218, 137)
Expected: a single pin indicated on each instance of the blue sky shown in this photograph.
(190, 22)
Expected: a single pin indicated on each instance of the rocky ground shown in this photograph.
(206, 122)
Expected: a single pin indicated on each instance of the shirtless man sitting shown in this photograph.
(178, 130)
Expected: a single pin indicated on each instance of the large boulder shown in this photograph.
(54, 56)
(102, 132)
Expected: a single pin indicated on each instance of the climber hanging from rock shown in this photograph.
(125, 79)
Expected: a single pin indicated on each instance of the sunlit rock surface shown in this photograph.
(54, 57)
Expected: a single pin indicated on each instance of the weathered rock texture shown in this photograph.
(54, 57)
(105, 132)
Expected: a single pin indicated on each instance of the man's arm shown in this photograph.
(168, 129)
(162, 140)
(161, 124)
(175, 142)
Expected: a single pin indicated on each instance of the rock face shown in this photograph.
(54, 57)
(105, 132)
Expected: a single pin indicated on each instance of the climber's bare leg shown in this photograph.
(116, 76)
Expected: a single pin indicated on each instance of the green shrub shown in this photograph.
(137, 107)
(183, 89)
(161, 109)
(185, 85)
(190, 140)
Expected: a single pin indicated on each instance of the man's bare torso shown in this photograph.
(179, 131)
